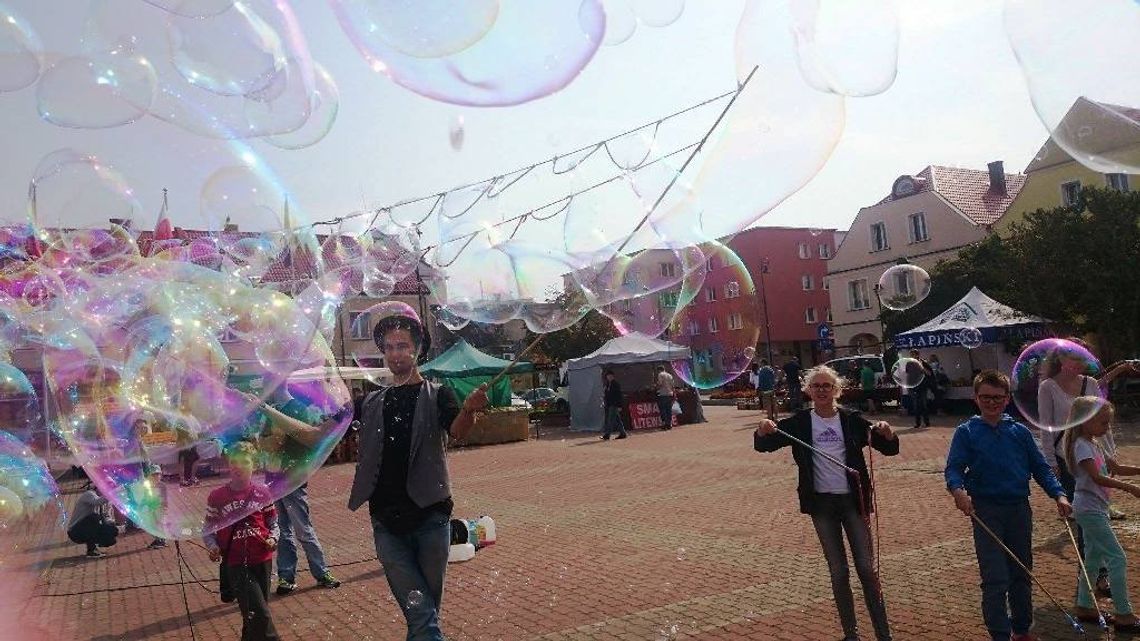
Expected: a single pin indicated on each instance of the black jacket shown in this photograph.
(856, 433)
(613, 394)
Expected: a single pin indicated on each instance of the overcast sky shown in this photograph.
(958, 99)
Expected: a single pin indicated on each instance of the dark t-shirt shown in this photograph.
(792, 373)
(390, 501)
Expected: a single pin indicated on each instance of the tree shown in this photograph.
(575, 341)
(1077, 266)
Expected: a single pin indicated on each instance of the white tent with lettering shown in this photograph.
(584, 375)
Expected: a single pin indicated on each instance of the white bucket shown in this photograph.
(460, 553)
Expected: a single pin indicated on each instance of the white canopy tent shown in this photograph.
(585, 374)
(942, 335)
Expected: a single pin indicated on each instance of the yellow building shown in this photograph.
(1054, 178)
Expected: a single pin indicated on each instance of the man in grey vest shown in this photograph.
(402, 474)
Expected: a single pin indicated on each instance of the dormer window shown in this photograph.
(904, 186)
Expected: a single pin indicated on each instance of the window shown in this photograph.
(916, 227)
(804, 251)
(735, 321)
(857, 295)
(1070, 193)
(809, 315)
(904, 283)
(732, 289)
(709, 264)
(829, 315)
(668, 270)
(710, 294)
(825, 251)
(694, 328)
(361, 325)
(632, 278)
(807, 282)
(668, 299)
(714, 327)
(879, 237)
(826, 285)
(1116, 182)
(627, 305)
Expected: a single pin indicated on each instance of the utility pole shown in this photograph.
(764, 300)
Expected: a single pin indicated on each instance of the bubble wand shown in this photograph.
(1088, 582)
(1068, 617)
(644, 219)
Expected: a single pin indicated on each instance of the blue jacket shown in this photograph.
(994, 463)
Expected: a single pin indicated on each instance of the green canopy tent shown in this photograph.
(463, 368)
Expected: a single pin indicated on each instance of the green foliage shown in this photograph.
(575, 341)
(1079, 267)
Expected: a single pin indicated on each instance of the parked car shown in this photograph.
(545, 398)
(850, 366)
(518, 401)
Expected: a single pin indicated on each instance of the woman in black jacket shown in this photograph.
(837, 497)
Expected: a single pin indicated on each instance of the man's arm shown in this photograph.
(465, 419)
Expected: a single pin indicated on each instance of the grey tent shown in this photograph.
(585, 374)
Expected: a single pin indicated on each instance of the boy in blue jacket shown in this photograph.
(991, 459)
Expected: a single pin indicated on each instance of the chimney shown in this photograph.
(125, 223)
(231, 227)
(997, 177)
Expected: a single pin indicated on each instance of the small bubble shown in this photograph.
(680, 554)
(415, 599)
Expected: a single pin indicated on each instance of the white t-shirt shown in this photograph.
(827, 435)
(1053, 407)
(664, 384)
(1089, 496)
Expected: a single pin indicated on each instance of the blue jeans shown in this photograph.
(414, 564)
(665, 406)
(1002, 580)
(293, 519)
(1102, 549)
(613, 418)
(834, 515)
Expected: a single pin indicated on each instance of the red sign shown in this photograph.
(644, 416)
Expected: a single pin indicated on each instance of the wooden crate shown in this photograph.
(499, 427)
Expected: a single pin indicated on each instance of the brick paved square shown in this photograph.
(687, 534)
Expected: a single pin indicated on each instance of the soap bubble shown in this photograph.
(232, 53)
(21, 54)
(661, 298)
(658, 13)
(846, 48)
(903, 286)
(908, 373)
(970, 337)
(431, 29)
(70, 189)
(721, 326)
(621, 22)
(1042, 368)
(1063, 54)
(455, 134)
(415, 599)
(193, 8)
(450, 319)
(531, 50)
(780, 127)
(323, 109)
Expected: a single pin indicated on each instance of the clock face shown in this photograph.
(904, 186)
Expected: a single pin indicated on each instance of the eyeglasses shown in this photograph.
(823, 387)
(992, 398)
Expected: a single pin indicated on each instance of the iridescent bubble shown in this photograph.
(658, 13)
(903, 286)
(908, 373)
(480, 284)
(71, 189)
(970, 337)
(827, 33)
(532, 50)
(232, 53)
(419, 29)
(721, 326)
(450, 319)
(323, 110)
(415, 599)
(780, 127)
(21, 54)
(242, 193)
(621, 22)
(654, 311)
(1048, 371)
(549, 300)
(193, 8)
(97, 91)
(455, 134)
(1063, 54)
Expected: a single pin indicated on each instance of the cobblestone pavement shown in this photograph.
(686, 534)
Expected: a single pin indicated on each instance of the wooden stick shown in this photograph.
(1088, 582)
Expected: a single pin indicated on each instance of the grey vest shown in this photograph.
(428, 483)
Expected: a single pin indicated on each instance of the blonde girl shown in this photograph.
(1086, 456)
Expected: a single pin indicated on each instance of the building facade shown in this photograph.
(928, 217)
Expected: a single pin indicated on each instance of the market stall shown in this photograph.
(999, 327)
(463, 368)
(634, 359)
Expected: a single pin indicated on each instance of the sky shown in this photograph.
(958, 99)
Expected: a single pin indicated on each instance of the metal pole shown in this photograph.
(764, 300)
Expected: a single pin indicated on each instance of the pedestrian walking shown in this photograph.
(613, 403)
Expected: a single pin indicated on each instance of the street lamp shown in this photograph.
(764, 300)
